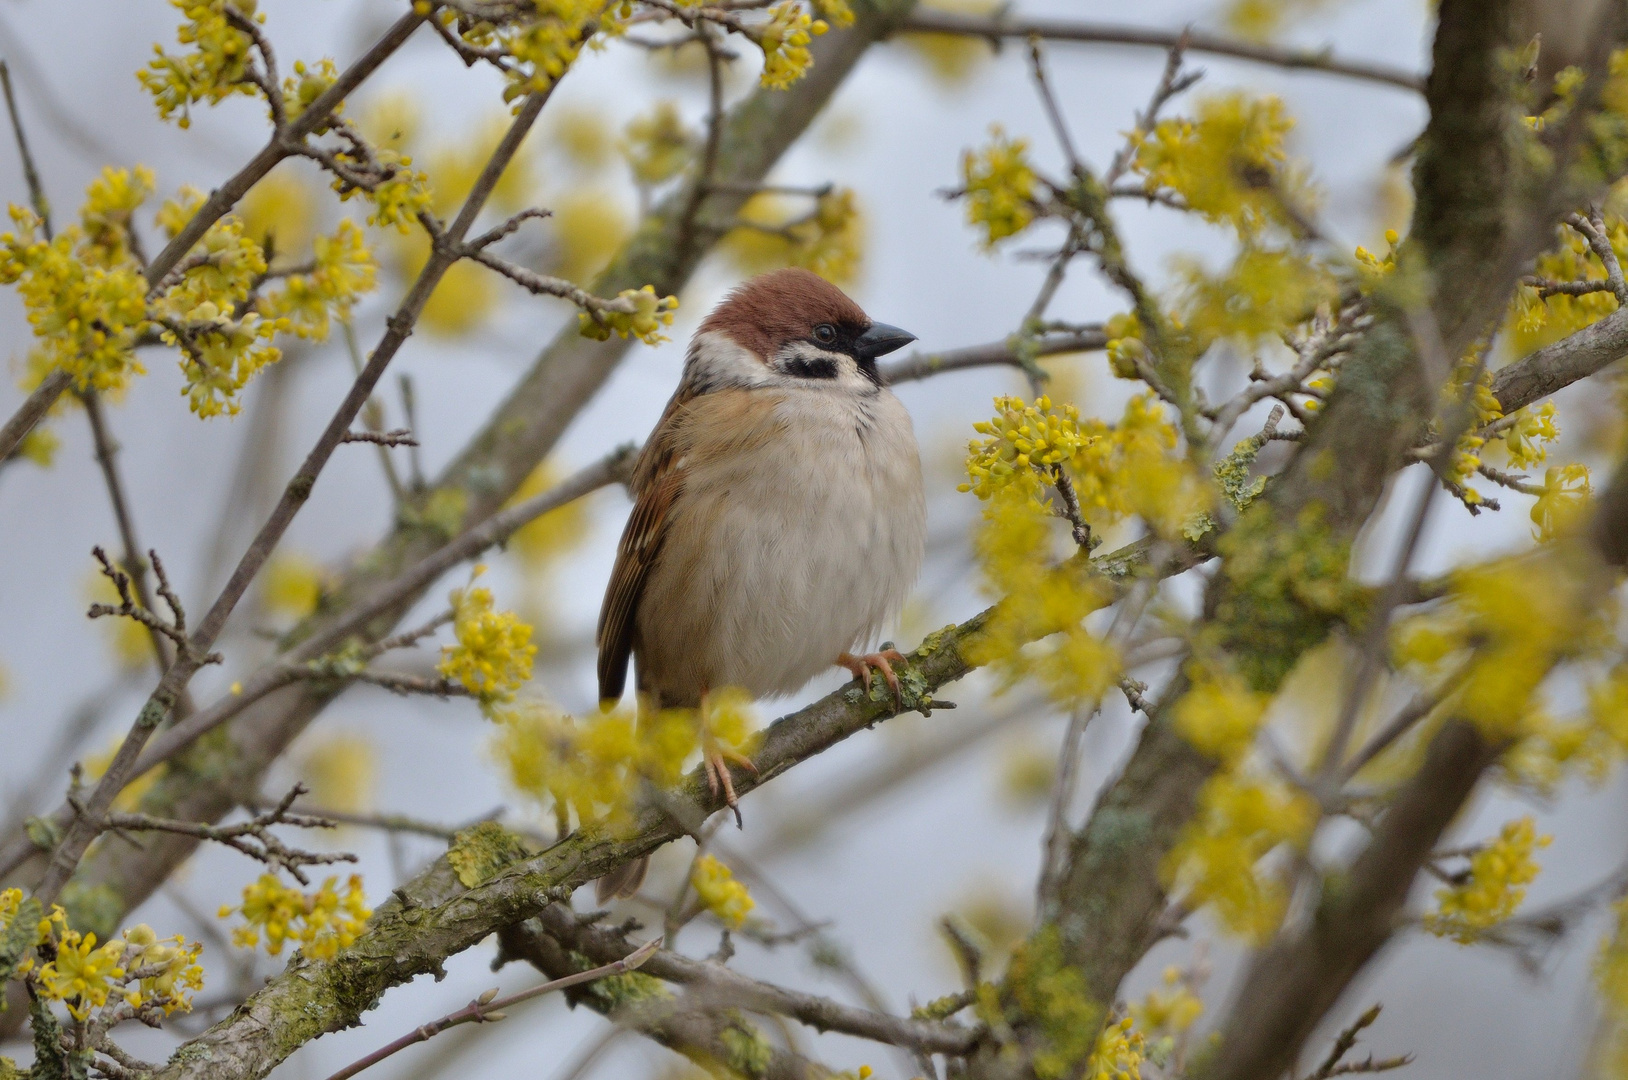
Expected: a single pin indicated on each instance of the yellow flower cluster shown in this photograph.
(1239, 821)
(1220, 713)
(836, 11)
(540, 543)
(1511, 621)
(1038, 630)
(1498, 875)
(493, 653)
(151, 975)
(397, 199)
(1119, 470)
(1372, 266)
(999, 187)
(1263, 293)
(658, 144)
(1129, 468)
(213, 70)
(1538, 321)
(650, 313)
(342, 269)
(308, 83)
(784, 41)
(1023, 439)
(720, 893)
(1567, 491)
(1170, 1011)
(1525, 442)
(1224, 162)
(592, 768)
(85, 313)
(1117, 1055)
(320, 923)
(829, 240)
(220, 352)
(292, 584)
(545, 41)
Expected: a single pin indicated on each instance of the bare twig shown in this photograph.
(394, 437)
(488, 1007)
(998, 27)
(253, 838)
(194, 650)
(1008, 353)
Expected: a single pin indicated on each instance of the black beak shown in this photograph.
(882, 339)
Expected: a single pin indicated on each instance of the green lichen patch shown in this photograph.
(1286, 587)
(484, 850)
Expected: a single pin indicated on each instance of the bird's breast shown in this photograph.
(781, 558)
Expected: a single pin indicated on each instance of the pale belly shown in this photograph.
(769, 573)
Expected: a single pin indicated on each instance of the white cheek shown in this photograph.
(715, 360)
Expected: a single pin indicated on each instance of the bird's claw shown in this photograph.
(882, 661)
(717, 760)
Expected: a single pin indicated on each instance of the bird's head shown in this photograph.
(792, 327)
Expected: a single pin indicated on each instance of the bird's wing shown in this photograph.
(657, 480)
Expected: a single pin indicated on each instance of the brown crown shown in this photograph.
(780, 306)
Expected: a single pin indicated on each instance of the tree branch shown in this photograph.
(999, 27)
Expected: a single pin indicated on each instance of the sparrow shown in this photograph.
(778, 520)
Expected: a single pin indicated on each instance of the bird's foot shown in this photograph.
(717, 758)
(882, 661)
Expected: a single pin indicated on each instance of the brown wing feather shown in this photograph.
(657, 480)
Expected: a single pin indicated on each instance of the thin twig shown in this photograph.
(394, 437)
(488, 1007)
(995, 28)
(164, 698)
(253, 838)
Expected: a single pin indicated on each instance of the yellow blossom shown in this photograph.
(952, 59)
(213, 70)
(1239, 821)
(999, 187)
(1170, 1011)
(1372, 266)
(166, 969)
(1223, 163)
(341, 270)
(1565, 499)
(648, 315)
(658, 144)
(279, 213)
(493, 653)
(719, 892)
(588, 226)
(1498, 875)
(1219, 714)
(81, 975)
(829, 239)
(784, 41)
(339, 769)
(1117, 1054)
(541, 542)
(292, 584)
(1519, 616)
(321, 923)
(86, 313)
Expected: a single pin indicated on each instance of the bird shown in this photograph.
(779, 519)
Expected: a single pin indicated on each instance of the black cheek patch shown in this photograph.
(817, 368)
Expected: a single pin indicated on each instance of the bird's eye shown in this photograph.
(825, 332)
